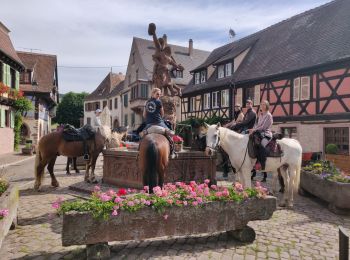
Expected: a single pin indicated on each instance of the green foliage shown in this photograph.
(327, 171)
(3, 186)
(23, 104)
(17, 130)
(70, 109)
(331, 149)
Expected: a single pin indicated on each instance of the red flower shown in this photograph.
(122, 192)
(177, 139)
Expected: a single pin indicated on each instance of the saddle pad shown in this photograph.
(72, 134)
(273, 149)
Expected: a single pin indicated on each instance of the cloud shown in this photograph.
(99, 33)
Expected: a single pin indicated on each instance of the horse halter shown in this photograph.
(215, 146)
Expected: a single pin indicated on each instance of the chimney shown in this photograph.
(190, 47)
(165, 38)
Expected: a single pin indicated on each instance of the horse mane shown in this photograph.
(224, 132)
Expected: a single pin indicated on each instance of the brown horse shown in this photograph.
(53, 144)
(153, 159)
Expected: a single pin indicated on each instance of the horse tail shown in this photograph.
(151, 167)
(38, 158)
(297, 176)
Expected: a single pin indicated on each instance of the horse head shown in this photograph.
(213, 138)
(117, 137)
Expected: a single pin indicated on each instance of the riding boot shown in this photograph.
(264, 178)
(253, 174)
(171, 144)
(262, 152)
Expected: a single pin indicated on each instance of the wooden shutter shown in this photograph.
(296, 89)
(257, 95)
(17, 80)
(2, 118)
(4, 73)
(8, 76)
(238, 97)
(12, 119)
(305, 88)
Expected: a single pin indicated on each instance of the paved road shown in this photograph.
(309, 231)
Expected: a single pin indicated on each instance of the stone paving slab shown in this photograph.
(309, 231)
(13, 158)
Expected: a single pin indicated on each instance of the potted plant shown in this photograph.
(178, 142)
(324, 180)
(28, 149)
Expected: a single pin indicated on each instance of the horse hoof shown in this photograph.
(68, 173)
(55, 184)
(282, 204)
(37, 187)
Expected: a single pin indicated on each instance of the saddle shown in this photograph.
(273, 148)
(71, 134)
(155, 129)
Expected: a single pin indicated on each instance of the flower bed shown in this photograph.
(9, 198)
(327, 182)
(176, 210)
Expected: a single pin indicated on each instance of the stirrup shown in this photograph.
(86, 157)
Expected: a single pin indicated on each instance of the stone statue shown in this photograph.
(162, 59)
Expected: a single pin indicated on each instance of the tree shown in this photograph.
(71, 109)
(21, 105)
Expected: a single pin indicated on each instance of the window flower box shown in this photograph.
(8, 210)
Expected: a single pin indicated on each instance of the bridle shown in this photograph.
(215, 147)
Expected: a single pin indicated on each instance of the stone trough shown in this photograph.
(337, 194)
(213, 217)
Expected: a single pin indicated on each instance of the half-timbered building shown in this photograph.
(300, 65)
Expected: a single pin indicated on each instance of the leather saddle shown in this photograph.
(273, 148)
(71, 134)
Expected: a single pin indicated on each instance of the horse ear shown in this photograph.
(206, 125)
(218, 125)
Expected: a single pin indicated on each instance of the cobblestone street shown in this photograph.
(309, 231)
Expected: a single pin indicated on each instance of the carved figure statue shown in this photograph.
(162, 59)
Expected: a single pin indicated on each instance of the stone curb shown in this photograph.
(13, 163)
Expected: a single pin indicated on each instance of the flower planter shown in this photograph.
(335, 193)
(26, 150)
(9, 200)
(83, 229)
(341, 161)
(178, 147)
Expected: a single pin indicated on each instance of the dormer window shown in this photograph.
(26, 77)
(197, 78)
(179, 74)
(228, 69)
(225, 70)
(221, 71)
(203, 76)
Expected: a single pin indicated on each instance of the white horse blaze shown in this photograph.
(235, 145)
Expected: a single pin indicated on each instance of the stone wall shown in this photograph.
(6, 140)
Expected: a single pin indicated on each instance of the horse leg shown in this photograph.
(75, 165)
(39, 169)
(67, 166)
(285, 175)
(274, 180)
(87, 170)
(290, 193)
(54, 181)
(245, 178)
(93, 164)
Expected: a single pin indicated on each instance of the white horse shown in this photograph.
(235, 145)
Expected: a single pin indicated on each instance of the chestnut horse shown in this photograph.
(153, 159)
(53, 144)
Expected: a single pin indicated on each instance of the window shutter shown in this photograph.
(238, 99)
(4, 73)
(17, 80)
(12, 119)
(296, 89)
(8, 75)
(305, 88)
(257, 95)
(2, 118)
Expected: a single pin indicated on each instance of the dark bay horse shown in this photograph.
(153, 159)
(53, 144)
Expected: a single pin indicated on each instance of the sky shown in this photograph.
(97, 34)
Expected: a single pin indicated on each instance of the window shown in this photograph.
(215, 99)
(116, 103)
(197, 78)
(228, 69)
(301, 88)
(179, 74)
(206, 101)
(256, 99)
(239, 97)
(132, 119)
(249, 93)
(221, 71)
(225, 98)
(338, 136)
(104, 103)
(203, 76)
(110, 104)
(97, 105)
(289, 132)
(88, 120)
(7, 118)
(13, 78)
(192, 104)
(125, 100)
(125, 120)
(144, 90)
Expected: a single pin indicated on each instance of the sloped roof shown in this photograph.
(6, 45)
(315, 37)
(106, 86)
(118, 89)
(43, 67)
(181, 55)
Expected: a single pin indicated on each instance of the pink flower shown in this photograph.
(193, 194)
(199, 199)
(115, 207)
(4, 212)
(55, 205)
(170, 201)
(206, 192)
(137, 201)
(111, 193)
(214, 187)
(118, 200)
(258, 184)
(147, 202)
(105, 197)
(185, 203)
(194, 203)
(130, 203)
(207, 181)
(114, 213)
(97, 188)
(225, 193)
(178, 202)
(165, 216)
(238, 187)
(146, 188)
(157, 189)
(218, 194)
